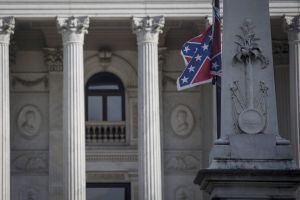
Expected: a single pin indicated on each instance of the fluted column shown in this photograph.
(73, 30)
(292, 26)
(7, 25)
(150, 181)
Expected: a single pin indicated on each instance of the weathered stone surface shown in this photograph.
(250, 160)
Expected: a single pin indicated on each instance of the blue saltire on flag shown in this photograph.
(202, 55)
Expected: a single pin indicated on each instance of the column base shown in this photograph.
(249, 183)
(261, 151)
(250, 167)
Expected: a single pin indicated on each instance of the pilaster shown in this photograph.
(73, 30)
(54, 61)
(7, 25)
(292, 26)
(147, 30)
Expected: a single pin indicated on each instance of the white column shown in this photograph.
(7, 25)
(150, 173)
(73, 30)
(292, 25)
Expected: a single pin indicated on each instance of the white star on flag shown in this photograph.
(184, 79)
(191, 68)
(198, 57)
(186, 49)
(205, 47)
(215, 65)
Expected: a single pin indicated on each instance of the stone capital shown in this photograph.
(208, 21)
(148, 28)
(7, 27)
(291, 23)
(73, 28)
(54, 59)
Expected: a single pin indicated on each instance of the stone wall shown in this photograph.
(36, 124)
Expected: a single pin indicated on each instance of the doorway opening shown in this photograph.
(108, 191)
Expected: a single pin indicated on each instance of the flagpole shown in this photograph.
(217, 83)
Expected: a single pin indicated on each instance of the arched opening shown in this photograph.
(105, 110)
(105, 99)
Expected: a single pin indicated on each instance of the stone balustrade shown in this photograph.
(106, 133)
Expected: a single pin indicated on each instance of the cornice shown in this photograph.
(126, 8)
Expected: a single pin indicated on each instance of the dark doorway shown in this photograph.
(108, 191)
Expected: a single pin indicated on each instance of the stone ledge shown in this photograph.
(249, 183)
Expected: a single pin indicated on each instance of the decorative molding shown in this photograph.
(105, 56)
(182, 121)
(182, 162)
(118, 66)
(29, 162)
(29, 121)
(125, 9)
(54, 59)
(29, 83)
(112, 156)
(105, 176)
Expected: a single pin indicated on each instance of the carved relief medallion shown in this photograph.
(251, 121)
(182, 120)
(29, 121)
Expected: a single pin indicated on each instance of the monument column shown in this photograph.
(251, 159)
(73, 30)
(7, 25)
(147, 30)
(292, 26)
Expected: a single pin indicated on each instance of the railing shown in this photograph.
(106, 133)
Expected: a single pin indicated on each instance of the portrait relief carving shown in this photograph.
(29, 121)
(182, 120)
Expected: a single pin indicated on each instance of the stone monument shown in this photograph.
(250, 160)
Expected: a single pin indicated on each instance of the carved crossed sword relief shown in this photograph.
(250, 112)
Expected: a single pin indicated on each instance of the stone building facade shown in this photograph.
(91, 87)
